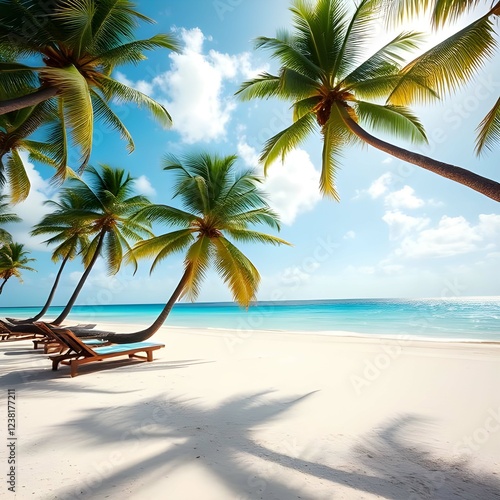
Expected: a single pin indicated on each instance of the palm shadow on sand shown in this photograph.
(386, 463)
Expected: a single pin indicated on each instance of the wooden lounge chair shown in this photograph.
(51, 342)
(8, 335)
(79, 353)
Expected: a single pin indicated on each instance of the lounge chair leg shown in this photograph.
(55, 364)
(149, 355)
(74, 368)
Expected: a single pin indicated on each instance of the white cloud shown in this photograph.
(404, 198)
(401, 224)
(292, 186)
(143, 186)
(192, 90)
(380, 185)
(387, 160)
(350, 235)
(453, 236)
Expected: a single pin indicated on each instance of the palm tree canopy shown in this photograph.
(457, 59)
(104, 205)
(70, 236)
(218, 205)
(79, 43)
(13, 260)
(326, 75)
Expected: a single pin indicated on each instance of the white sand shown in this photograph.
(266, 416)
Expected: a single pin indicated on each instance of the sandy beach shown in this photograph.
(263, 415)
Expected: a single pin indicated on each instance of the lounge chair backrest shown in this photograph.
(64, 337)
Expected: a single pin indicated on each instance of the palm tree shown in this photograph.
(78, 43)
(5, 218)
(71, 239)
(106, 208)
(13, 260)
(456, 60)
(217, 203)
(323, 74)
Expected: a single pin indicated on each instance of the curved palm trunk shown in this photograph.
(482, 185)
(125, 338)
(51, 294)
(79, 287)
(27, 100)
(3, 284)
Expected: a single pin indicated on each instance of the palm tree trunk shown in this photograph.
(27, 100)
(2, 285)
(51, 294)
(482, 185)
(79, 287)
(126, 338)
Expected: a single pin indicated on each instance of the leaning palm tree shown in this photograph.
(334, 89)
(71, 238)
(218, 203)
(106, 206)
(13, 260)
(5, 218)
(78, 44)
(456, 60)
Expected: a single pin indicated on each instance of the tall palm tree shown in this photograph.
(218, 203)
(70, 236)
(78, 44)
(332, 88)
(5, 218)
(13, 260)
(106, 207)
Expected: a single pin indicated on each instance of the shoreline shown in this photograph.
(339, 334)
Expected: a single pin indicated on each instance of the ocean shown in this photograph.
(460, 319)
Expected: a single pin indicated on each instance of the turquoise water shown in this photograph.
(458, 319)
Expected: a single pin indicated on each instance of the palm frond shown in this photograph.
(250, 236)
(17, 177)
(449, 64)
(77, 107)
(386, 61)
(355, 37)
(263, 86)
(105, 113)
(160, 247)
(286, 140)
(132, 52)
(198, 261)
(236, 271)
(489, 130)
(396, 120)
(123, 93)
(16, 79)
(75, 19)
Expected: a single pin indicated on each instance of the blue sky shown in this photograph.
(398, 231)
